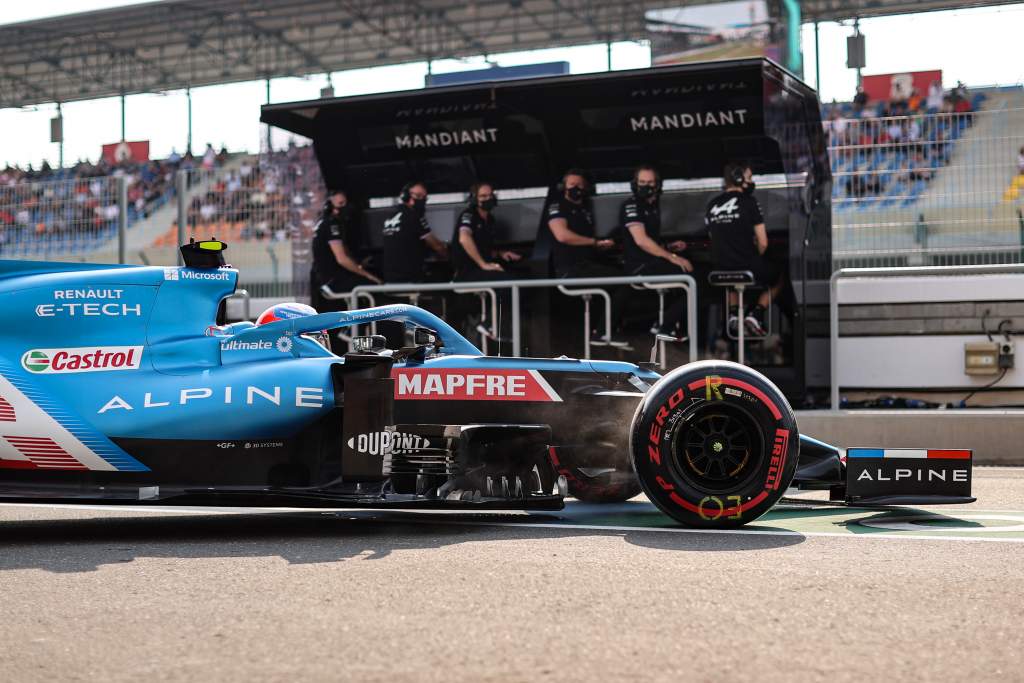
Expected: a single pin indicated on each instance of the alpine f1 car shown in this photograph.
(118, 386)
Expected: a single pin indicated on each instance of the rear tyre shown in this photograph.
(714, 444)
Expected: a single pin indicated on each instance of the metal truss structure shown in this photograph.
(175, 44)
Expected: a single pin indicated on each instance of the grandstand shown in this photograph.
(943, 189)
(74, 212)
(927, 188)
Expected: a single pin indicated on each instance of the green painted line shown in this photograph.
(960, 522)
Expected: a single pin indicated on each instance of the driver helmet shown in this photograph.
(290, 311)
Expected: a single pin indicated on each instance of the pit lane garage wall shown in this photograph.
(900, 334)
(688, 120)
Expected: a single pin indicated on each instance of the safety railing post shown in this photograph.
(122, 218)
(517, 343)
(181, 183)
(682, 281)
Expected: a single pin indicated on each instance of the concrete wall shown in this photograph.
(995, 436)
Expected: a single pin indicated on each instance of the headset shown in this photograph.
(474, 189)
(404, 196)
(645, 167)
(734, 173)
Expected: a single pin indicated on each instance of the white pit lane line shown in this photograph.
(900, 525)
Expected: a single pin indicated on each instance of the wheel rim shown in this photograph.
(717, 447)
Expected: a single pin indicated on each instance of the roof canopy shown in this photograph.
(170, 45)
(687, 119)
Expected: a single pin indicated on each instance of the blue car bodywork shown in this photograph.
(120, 375)
(117, 384)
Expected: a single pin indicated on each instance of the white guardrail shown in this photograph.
(657, 283)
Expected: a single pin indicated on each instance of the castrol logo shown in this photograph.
(82, 359)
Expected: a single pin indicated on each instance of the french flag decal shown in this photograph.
(913, 453)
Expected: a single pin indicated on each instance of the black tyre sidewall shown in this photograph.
(697, 389)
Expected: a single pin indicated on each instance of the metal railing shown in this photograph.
(927, 189)
(82, 219)
(684, 282)
(846, 273)
(260, 206)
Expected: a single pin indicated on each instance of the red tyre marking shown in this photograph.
(739, 384)
(728, 512)
(780, 448)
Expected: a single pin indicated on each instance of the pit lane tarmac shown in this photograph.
(801, 514)
(588, 594)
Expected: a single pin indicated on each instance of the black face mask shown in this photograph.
(419, 206)
(576, 194)
(645, 191)
(748, 188)
(489, 204)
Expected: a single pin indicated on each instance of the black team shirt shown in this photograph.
(566, 257)
(730, 218)
(482, 230)
(404, 250)
(639, 211)
(333, 227)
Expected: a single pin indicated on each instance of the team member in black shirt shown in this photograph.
(405, 234)
(572, 225)
(739, 240)
(640, 216)
(472, 247)
(335, 249)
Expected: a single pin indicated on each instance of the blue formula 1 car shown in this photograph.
(118, 386)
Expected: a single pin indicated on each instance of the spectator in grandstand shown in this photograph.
(898, 99)
(571, 223)
(838, 128)
(335, 250)
(640, 217)
(914, 102)
(959, 93)
(474, 256)
(860, 185)
(934, 102)
(1020, 161)
(739, 240)
(860, 99)
(209, 157)
(403, 256)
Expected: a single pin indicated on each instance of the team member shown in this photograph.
(472, 248)
(405, 233)
(640, 215)
(335, 245)
(739, 240)
(572, 225)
